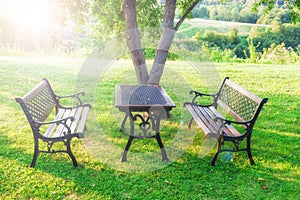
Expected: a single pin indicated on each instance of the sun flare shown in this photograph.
(30, 16)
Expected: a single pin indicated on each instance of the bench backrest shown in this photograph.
(39, 102)
(241, 104)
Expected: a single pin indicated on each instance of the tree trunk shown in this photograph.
(164, 44)
(134, 41)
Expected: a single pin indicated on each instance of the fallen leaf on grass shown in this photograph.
(264, 187)
(261, 179)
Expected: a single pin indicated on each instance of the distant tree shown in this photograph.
(246, 15)
(285, 16)
(293, 7)
(213, 13)
(291, 34)
(234, 14)
(277, 14)
(201, 12)
(277, 34)
(224, 13)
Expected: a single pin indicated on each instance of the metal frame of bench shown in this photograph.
(69, 122)
(242, 106)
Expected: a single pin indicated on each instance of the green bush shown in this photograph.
(237, 45)
(277, 34)
(278, 44)
(150, 54)
(216, 54)
(279, 54)
(252, 52)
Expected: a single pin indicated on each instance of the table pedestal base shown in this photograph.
(145, 106)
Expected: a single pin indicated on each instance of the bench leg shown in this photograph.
(190, 123)
(213, 162)
(34, 159)
(35, 155)
(69, 151)
(36, 152)
(249, 151)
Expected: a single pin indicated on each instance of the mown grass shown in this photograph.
(101, 175)
(192, 26)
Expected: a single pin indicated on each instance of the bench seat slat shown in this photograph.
(77, 117)
(211, 114)
(208, 117)
(61, 128)
(204, 117)
(53, 126)
(68, 113)
(230, 131)
(81, 125)
(197, 118)
(80, 115)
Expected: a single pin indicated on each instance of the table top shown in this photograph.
(142, 97)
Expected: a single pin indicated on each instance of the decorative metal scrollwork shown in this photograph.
(148, 123)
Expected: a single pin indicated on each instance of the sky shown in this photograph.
(33, 16)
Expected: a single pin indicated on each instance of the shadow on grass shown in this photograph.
(188, 177)
(275, 175)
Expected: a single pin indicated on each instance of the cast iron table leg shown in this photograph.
(123, 123)
(162, 148)
(124, 157)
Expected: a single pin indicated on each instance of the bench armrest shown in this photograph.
(71, 107)
(200, 94)
(245, 123)
(218, 118)
(64, 120)
(58, 122)
(73, 96)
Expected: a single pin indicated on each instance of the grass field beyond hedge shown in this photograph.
(188, 175)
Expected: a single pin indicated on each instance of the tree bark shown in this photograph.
(164, 44)
(134, 41)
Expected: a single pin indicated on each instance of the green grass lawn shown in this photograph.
(188, 175)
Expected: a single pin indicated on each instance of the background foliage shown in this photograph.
(86, 25)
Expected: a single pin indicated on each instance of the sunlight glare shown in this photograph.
(31, 16)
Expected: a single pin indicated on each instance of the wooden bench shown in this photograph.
(240, 109)
(40, 104)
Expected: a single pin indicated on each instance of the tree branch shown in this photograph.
(186, 14)
(133, 40)
(164, 44)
